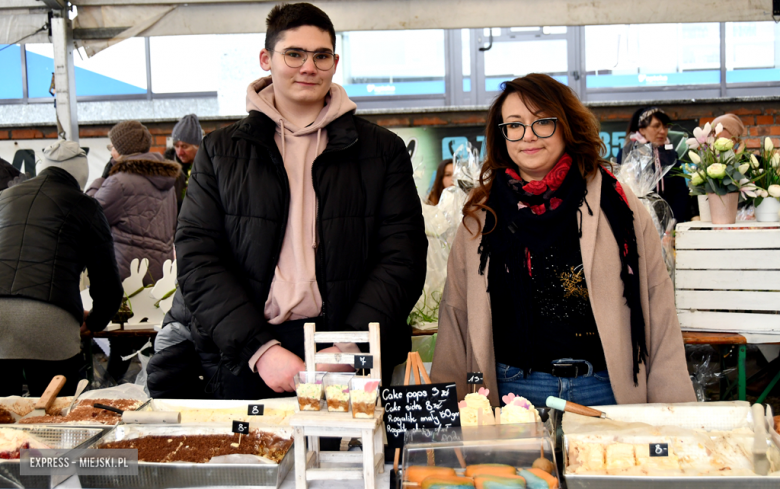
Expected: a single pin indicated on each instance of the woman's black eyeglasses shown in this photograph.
(542, 128)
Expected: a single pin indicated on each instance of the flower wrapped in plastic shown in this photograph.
(642, 170)
(441, 223)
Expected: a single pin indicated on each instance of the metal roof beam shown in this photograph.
(55, 4)
(98, 33)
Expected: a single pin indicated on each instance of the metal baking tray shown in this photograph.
(154, 475)
(718, 416)
(60, 437)
(146, 406)
(582, 481)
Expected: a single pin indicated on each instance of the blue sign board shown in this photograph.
(708, 77)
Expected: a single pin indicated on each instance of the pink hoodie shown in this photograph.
(294, 293)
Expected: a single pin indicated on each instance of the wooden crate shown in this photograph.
(728, 277)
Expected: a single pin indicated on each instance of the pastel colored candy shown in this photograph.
(486, 481)
(492, 469)
(551, 480)
(416, 473)
(533, 481)
(447, 482)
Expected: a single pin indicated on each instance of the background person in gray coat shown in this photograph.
(139, 199)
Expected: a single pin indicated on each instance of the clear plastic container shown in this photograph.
(480, 456)
(337, 391)
(308, 388)
(363, 394)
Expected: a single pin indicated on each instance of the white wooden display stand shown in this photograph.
(728, 277)
(314, 424)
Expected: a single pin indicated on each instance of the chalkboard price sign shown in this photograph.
(240, 427)
(475, 378)
(364, 362)
(659, 449)
(415, 407)
(255, 410)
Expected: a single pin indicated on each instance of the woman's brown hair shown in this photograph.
(541, 94)
(438, 183)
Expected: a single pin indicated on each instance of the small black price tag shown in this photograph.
(475, 378)
(659, 449)
(255, 410)
(240, 427)
(364, 362)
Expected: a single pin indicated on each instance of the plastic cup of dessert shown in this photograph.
(337, 391)
(308, 389)
(362, 394)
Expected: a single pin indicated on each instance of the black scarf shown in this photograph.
(530, 217)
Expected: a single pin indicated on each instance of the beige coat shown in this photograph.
(465, 342)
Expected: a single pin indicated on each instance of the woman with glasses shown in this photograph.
(555, 282)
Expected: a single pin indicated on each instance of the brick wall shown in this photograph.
(159, 130)
(761, 118)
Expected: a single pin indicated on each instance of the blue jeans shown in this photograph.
(592, 389)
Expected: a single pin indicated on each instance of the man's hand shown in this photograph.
(277, 367)
(335, 367)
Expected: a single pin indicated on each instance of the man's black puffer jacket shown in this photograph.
(370, 262)
(50, 231)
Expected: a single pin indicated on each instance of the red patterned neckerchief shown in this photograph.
(529, 192)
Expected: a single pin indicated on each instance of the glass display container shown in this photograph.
(308, 389)
(491, 456)
(337, 391)
(363, 395)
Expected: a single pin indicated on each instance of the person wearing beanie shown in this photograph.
(187, 135)
(138, 196)
(733, 128)
(50, 231)
(139, 200)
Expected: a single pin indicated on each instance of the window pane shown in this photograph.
(652, 55)
(382, 63)
(118, 70)
(187, 63)
(508, 60)
(752, 50)
(465, 46)
(40, 67)
(11, 68)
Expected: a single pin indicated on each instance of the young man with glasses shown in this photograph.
(301, 212)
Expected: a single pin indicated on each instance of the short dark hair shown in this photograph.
(292, 15)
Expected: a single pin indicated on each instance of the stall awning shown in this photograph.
(109, 19)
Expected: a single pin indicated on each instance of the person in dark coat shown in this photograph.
(651, 125)
(49, 232)
(7, 173)
(300, 212)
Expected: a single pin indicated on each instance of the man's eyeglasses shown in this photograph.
(542, 128)
(295, 58)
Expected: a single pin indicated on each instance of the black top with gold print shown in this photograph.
(562, 317)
